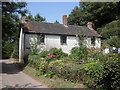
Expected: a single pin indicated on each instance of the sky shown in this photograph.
(52, 11)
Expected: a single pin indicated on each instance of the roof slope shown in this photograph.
(52, 28)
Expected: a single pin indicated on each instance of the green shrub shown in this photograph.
(103, 75)
(97, 56)
(112, 76)
(43, 65)
(58, 52)
(34, 61)
(93, 74)
(65, 69)
(44, 53)
(78, 53)
(114, 41)
(38, 63)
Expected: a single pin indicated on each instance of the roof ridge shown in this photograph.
(56, 23)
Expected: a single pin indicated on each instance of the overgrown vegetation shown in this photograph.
(51, 83)
(94, 72)
(111, 33)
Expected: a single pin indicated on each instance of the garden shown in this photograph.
(93, 69)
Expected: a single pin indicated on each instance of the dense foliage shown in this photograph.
(78, 53)
(114, 41)
(111, 33)
(58, 52)
(10, 27)
(96, 74)
(37, 17)
(56, 22)
(97, 12)
(110, 29)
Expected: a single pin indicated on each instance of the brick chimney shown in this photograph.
(64, 19)
(89, 25)
(23, 19)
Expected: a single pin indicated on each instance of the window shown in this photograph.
(63, 40)
(93, 40)
(41, 38)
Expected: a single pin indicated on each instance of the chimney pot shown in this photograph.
(23, 19)
(89, 25)
(64, 19)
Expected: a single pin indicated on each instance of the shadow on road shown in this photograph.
(28, 85)
(10, 68)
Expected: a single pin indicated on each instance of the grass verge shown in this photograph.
(51, 83)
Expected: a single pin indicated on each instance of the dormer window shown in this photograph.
(63, 39)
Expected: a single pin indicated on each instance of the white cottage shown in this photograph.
(55, 36)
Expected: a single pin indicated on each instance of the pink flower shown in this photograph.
(53, 55)
(49, 54)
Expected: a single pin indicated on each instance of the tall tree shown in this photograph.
(39, 18)
(30, 17)
(100, 13)
(10, 26)
(56, 22)
(111, 33)
(110, 29)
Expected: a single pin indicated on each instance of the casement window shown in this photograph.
(93, 40)
(42, 39)
(63, 40)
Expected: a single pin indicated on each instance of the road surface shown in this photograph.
(14, 78)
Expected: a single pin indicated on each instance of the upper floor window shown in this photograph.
(63, 39)
(93, 40)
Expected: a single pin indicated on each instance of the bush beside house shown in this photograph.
(97, 72)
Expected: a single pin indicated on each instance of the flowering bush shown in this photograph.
(44, 53)
(49, 55)
(58, 53)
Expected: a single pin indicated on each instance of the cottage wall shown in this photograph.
(21, 46)
(98, 43)
(53, 41)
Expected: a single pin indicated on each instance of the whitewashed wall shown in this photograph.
(21, 46)
(98, 43)
(53, 41)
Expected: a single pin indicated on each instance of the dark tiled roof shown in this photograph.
(51, 28)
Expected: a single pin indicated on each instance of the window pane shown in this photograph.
(93, 40)
(42, 39)
(63, 40)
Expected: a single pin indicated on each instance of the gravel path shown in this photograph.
(14, 78)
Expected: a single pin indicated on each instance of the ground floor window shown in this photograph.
(41, 38)
(93, 40)
(63, 39)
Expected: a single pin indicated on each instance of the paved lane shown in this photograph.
(14, 78)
